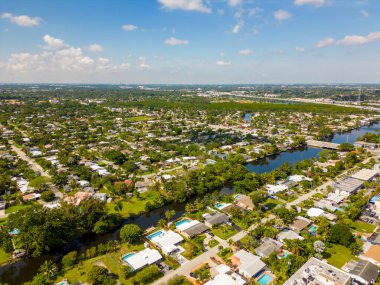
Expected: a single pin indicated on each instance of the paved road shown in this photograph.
(36, 167)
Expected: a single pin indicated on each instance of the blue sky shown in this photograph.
(190, 41)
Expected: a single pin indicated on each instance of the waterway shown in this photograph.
(24, 270)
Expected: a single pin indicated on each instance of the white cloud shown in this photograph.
(175, 42)
(236, 29)
(316, 3)
(53, 43)
(246, 52)
(58, 57)
(144, 66)
(325, 42)
(234, 3)
(95, 48)
(300, 49)
(222, 62)
(129, 27)
(364, 13)
(350, 40)
(281, 15)
(187, 5)
(23, 20)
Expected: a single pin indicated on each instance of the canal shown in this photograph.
(24, 270)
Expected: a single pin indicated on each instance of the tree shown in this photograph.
(319, 246)
(48, 269)
(99, 275)
(178, 280)
(169, 214)
(118, 206)
(146, 275)
(130, 233)
(47, 196)
(346, 147)
(69, 259)
(341, 234)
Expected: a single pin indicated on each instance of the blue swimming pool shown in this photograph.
(154, 235)
(128, 255)
(182, 222)
(237, 196)
(265, 279)
(374, 199)
(312, 230)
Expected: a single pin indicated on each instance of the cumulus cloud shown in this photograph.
(187, 5)
(246, 52)
(282, 15)
(222, 62)
(316, 3)
(236, 29)
(300, 49)
(350, 40)
(22, 20)
(175, 42)
(129, 27)
(234, 3)
(95, 48)
(53, 43)
(58, 57)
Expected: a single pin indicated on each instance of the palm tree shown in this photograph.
(48, 268)
(169, 214)
(118, 206)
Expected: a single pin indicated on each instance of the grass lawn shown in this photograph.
(112, 261)
(224, 231)
(339, 255)
(139, 118)
(134, 205)
(40, 180)
(271, 203)
(363, 227)
(4, 257)
(190, 251)
(212, 243)
(16, 208)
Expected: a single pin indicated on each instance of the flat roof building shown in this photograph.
(143, 258)
(316, 272)
(365, 174)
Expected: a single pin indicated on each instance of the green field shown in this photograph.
(271, 203)
(16, 208)
(224, 231)
(339, 255)
(4, 257)
(363, 227)
(139, 118)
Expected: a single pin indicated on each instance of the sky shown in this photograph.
(190, 41)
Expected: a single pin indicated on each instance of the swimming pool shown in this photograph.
(221, 206)
(265, 279)
(374, 199)
(284, 254)
(63, 283)
(237, 196)
(312, 230)
(154, 235)
(128, 255)
(182, 222)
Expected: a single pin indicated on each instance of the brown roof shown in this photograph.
(245, 202)
(299, 224)
(373, 253)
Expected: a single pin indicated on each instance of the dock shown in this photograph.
(322, 144)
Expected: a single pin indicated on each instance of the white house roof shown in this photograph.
(315, 212)
(222, 268)
(188, 225)
(142, 258)
(167, 239)
(365, 174)
(225, 279)
(250, 264)
(276, 188)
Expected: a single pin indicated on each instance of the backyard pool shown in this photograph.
(265, 279)
(154, 235)
(128, 255)
(313, 230)
(237, 196)
(221, 206)
(177, 224)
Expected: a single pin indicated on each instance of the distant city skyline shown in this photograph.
(190, 41)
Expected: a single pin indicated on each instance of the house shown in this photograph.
(325, 204)
(195, 230)
(300, 224)
(267, 247)
(226, 279)
(216, 219)
(143, 258)
(78, 198)
(374, 238)
(314, 212)
(372, 254)
(31, 196)
(365, 174)
(315, 271)
(100, 196)
(348, 186)
(249, 265)
(273, 189)
(362, 271)
(244, 201)
(84, 183)
(288, 234)
(167, 241)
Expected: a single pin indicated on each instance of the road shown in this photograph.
(36, 168)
